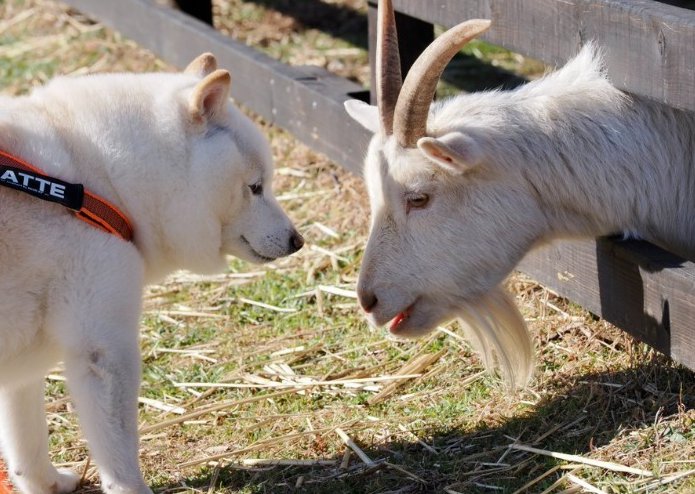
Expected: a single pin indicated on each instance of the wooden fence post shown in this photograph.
(200, 9)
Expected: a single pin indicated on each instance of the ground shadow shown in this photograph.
(585, 412)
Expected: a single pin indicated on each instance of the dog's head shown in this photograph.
(191, 171)
(231, 165)
(254, 227)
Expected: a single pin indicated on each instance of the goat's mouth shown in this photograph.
(258, 256)
(419, 318)
(401, 319)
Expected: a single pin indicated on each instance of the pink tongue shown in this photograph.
(398, 320)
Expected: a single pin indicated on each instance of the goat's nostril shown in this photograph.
(368, 301)
(296, 241)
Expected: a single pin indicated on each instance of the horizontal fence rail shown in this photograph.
(640, 288)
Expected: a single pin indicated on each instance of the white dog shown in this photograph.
(189, 171)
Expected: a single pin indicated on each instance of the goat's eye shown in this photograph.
(256, 189)
(417, 201)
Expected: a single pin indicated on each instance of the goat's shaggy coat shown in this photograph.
(500, 172)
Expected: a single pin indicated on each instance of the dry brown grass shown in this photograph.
(266, 379)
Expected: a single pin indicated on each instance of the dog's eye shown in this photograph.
(416, 201)
(256, 189)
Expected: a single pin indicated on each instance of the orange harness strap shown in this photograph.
(87, 206)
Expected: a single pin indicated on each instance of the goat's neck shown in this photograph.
(627, 172)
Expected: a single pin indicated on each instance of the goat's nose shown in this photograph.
(368, 300)
(296, 241)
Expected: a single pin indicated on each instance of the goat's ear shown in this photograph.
(364, 114)
(454, 152)
(202, 65)
(209, 97)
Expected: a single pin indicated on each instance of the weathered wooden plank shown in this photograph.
(648, 45)
(307, 101)
(634, 285)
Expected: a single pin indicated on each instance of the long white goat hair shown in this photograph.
(496, 329)
(462, 189)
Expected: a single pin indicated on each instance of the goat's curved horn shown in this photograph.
(388, 65)
(413, 106)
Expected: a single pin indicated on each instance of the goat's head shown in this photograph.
(441, 240)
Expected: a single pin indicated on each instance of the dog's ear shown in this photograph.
(209, 97)
(202, 65)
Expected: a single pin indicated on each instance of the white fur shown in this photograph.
(568, 155)
(72, 292)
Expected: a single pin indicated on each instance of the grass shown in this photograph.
(250, 384)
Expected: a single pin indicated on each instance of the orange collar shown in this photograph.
(87, 206)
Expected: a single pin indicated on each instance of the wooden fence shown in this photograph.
(650, 50)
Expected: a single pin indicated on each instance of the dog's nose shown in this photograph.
(296, 241)
(367, 299)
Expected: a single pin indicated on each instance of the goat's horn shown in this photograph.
(388, 65)
(413, 106)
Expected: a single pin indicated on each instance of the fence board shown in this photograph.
(634, 285)
(649, 45)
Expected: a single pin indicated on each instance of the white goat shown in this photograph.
(461, 191)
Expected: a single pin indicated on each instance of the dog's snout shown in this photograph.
(296, 241)
(367, 299)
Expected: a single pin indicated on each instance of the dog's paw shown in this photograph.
(143, 489)
(60, 481)
(111, 487)
(67, 482)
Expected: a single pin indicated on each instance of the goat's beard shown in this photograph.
(496, 329)
(493, 325)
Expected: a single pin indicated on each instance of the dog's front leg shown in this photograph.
(104, 380)
(97, 325)
(24, 439)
